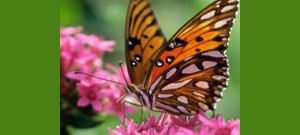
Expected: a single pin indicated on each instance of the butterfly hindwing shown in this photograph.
(144, 40)
(191, 71)
(193, 85)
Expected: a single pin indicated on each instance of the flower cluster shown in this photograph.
(176, 125)
(83, 96)
(82, 93)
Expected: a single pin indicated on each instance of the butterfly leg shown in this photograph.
(141, 118)
(134, 104)
(213, 114)
(124, 115)
(149, 113)
(165, 115)
(187, 117)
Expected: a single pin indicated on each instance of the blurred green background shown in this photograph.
(107, 19)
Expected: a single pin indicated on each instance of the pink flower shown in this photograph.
(150, 127)
(91, 95)
(181, 122)
(82, 52)
(177, 125)
(121, 130)
(79, 50)
(69, 31)
(219, 126)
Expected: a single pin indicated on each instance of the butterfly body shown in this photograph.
(186, 74)
(141, 95)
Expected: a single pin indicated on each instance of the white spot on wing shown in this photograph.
(231, 1)
(220, 86)
(193, 112)
(183, 99)
(217, 99)
(203, 106)
(171, 73)
(166, 107)
(222, 22)
(219, 93)
(208, 15)
(225, 73)
(227, 8)
(190, 69)
(214, 105)
(137, 58)
(202, 85)
(164, 95)
(176, 85)
(216, 54)
(182, 109)
(219, 77)
(154, 85)
(209, 64)
(199, 94)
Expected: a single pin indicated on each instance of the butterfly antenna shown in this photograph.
(100, 78)
(120, 64)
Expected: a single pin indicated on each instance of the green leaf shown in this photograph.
(83, 121)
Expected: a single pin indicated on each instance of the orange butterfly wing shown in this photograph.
(144, 40)
(191, 72)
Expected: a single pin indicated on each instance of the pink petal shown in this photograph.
(112, 132)
(110, 109)
(107, 45)
(123, 118)
(96, 105)
(70, 31)
(184, 131)
(235, 131)
(105, 93)
(84, 58)
(83, 101)
(82, 89)
(165, 130)
(74, 76)
(205, 120)
(178, 121)
(129, 109)
(111, 67)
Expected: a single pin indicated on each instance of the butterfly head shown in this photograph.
(131, 88)
(140, 95)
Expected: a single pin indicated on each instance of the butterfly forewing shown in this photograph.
(144, 40)
(191, 71)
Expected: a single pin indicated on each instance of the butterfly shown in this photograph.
(186, 74)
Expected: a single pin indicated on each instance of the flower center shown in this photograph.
(92, 95)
